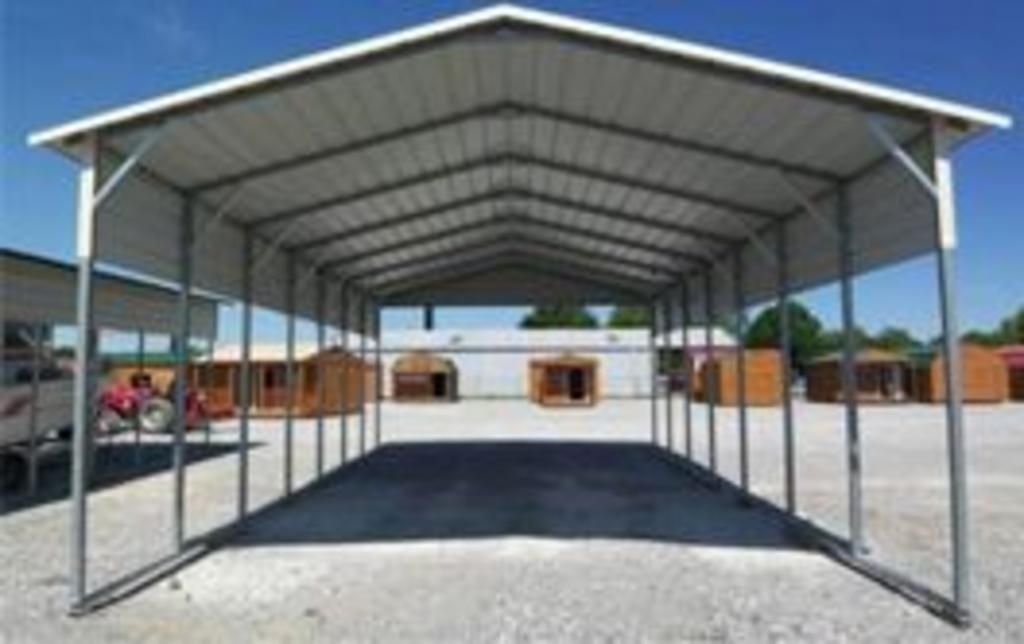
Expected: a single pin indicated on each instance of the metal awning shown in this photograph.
(42, 291)
(511, 156)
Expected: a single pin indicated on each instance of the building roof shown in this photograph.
(513, 156)
(36, 289)
(1013, 355)
(864, 356)
(533, 340)
(423, 362)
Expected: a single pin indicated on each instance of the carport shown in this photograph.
(509, 156)
(39, 292)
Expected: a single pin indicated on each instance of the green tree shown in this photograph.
(1011, 330)
(805, 332)
(559, 316)
(832, 340)
(976, 336)
(629, 317)
(895, 339)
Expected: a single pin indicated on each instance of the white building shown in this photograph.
(493, 363)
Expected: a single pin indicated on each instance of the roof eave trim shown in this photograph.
(59, 135)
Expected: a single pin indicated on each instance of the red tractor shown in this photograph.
(123, 407)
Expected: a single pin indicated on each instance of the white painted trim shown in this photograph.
(55, 136)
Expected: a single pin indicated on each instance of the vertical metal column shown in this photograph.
(785, 344)
(345, 373)
(289, 377)
(741, 370)
(245, 378)
(669, 442)
(378, 380)
(946, 223)
(33, 411)
(849, 376)
(652, 351)
(709, 349)
(86, 245)
(209, 383)
(181, 371)
(321, 374)
(687, 370)
(140, 367)
(362, 375)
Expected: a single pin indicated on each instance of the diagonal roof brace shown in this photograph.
(896, 151)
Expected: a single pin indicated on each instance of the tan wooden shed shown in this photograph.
(564, 381)
(421, 376)
(220, 382)
(719, 380)
(984, 376)
(1013, 356)
(881, 377)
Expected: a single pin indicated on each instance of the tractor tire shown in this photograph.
(156, 415)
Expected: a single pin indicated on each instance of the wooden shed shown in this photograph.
(564, 381)
(424, 377)
(984, 375)
(1013, 356)
(220, 382)
(719, 381)
(881, 377)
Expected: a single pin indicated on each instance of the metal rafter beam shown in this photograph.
(583, 208)
(511, 219)
(526, 160)
(397, 288)
(531, 261)
(503, 109)
(635, 273)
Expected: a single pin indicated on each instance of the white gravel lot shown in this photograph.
(590, 538)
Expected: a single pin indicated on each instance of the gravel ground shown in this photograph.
(503, 521)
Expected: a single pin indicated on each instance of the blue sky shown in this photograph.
(63, 58)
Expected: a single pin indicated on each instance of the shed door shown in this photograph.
(439, 384)
(577, 384)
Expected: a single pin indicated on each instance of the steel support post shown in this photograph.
(946, 223)
(741, 370)
(378, 380)
(362, 375)
(181, 371)
(84, 347)
(652, 350)
(289, 377)
(33, 418)
(140, 367)
(321, 374)
(710, 383)
(208, 384)
(849, 376)
(245, 379)
(786, 346)
(669, 441)
(687, 371)
(345, 373)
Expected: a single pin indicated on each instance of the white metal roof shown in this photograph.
(513, 156)
(39, 290)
